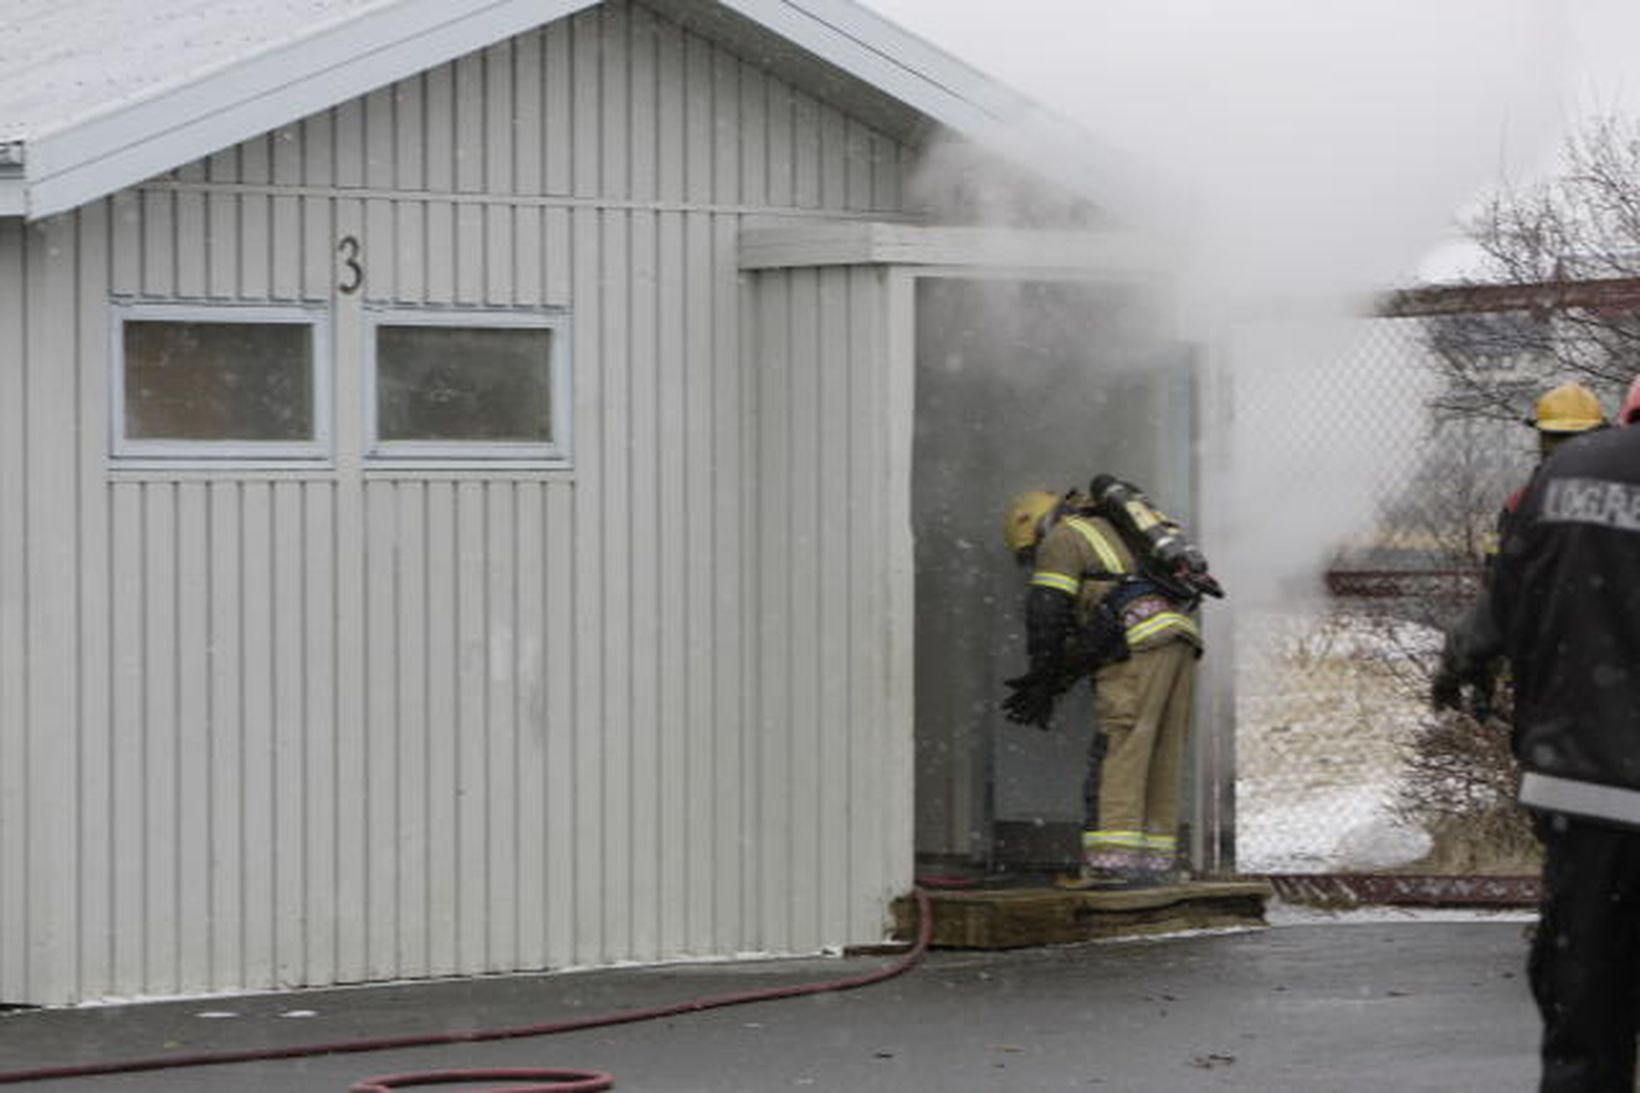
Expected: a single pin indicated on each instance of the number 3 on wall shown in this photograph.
(352, 270)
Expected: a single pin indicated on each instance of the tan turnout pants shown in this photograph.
(1143, 706)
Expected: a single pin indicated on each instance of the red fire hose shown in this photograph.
(556, 1081)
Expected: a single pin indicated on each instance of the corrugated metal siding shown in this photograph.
(832, 630)
(14, 799)
(319, 727)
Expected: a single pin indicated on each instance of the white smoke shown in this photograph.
(1295, 147)
(1294, 158)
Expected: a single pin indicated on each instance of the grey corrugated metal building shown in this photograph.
(325, 659)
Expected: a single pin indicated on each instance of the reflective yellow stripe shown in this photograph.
(1162, 842)
(1156, 624)
(1057, 581)
(1107, 554)
(1132, 839)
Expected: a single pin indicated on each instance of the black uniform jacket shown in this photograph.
(1565, 598)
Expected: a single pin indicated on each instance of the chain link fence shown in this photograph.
(1352, 456)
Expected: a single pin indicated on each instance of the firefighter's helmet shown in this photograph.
(1569, 408)
(1631, 404)
(1022, 525)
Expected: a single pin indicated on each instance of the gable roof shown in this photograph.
(97, 95)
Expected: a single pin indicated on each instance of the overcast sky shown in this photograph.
(1320, 134)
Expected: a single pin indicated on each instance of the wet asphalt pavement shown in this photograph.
(1397, 1005)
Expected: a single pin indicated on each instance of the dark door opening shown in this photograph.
(1020, 384)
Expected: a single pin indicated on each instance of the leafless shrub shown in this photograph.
(1459, 785)
(1578, 229)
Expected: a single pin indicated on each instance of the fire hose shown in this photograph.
(548, 1080)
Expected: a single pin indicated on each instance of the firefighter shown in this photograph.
(1560, 414)
(1564, 600)
(1088, 609)
(1469, 652)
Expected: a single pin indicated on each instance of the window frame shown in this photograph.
(130, 451)
(455, 454)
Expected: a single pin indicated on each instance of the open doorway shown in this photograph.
(1019, 384)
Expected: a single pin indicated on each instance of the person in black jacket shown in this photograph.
(1564, 603)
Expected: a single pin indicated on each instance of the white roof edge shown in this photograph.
(121, 147)
(817, 24)
(947, 89)
(118, 148)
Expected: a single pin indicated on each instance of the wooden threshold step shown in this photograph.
(1009, 918)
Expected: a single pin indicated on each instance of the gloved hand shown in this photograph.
(1031, 702)
(1483, 690)
(1446, 691)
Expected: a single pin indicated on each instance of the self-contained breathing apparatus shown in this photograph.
(1167, 563)
(1165, 557)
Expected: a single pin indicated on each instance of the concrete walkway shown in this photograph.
(1408, 1003)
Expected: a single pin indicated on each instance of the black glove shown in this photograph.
(1031, 702)
(1446, 691)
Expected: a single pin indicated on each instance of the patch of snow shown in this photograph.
(1346, 828)
(1325, 707)
(1279, 913)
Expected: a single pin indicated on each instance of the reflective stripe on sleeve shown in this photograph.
(1580, 798)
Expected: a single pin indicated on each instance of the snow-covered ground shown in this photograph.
(1325, 706)
(1278, 913)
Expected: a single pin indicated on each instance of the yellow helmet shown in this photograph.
(1022, 525)
(1569, 408)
